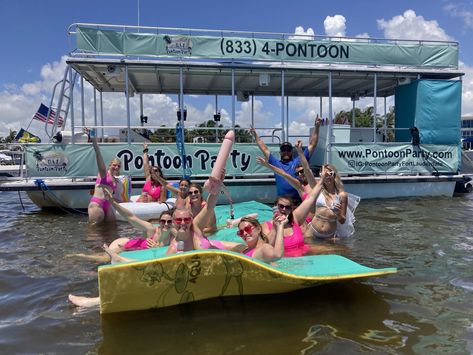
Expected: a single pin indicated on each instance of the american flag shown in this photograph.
(42, 115)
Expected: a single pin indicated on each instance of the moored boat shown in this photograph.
(384, 160)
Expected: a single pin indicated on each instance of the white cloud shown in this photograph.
(467, 90)
(335, 26)
(455, 10)
(410, 26)
(300, 33)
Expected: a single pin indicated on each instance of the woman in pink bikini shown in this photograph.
(157, 232)
(99, 207)
(152, 191)
(293, 234)
(257, 244)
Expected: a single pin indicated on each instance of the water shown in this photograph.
(426, 308)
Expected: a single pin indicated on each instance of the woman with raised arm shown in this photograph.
(99, 207)
(157, 232)
(181, 193)
(331, 205)
(187, 233)
(257, 244)
(293, 232)
(153, 190)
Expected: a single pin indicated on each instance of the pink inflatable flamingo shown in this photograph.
(214, 183)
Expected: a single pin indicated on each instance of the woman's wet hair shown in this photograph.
(163, 213)
(255, 223)
(188, 181)
(166, 212)
(292, 202)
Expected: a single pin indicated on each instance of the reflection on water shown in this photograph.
(304, 320)
(426, 307)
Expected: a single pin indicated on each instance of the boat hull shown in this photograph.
(76, 195)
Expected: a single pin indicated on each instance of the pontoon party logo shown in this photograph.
(51, 161)
(178, 45)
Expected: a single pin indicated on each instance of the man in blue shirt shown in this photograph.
(287, 163)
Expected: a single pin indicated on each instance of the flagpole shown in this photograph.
(29, 124)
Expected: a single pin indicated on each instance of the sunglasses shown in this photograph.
(185, 220)
(194, 192)
(156, 170)
(247, 230)
(166, 221)
(284, 207)
(300, 172)
(286, 148)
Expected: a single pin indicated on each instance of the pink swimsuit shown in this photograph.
(153, 190)
(138, 243)
(250, 252)
(106, 181)
(293, 244)
(205, 243)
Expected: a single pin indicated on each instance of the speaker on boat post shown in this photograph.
(181, 115)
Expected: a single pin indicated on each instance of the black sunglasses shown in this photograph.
(300, 172)
(284, 207)
(285, 148)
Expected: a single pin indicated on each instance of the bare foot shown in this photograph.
(82, 301)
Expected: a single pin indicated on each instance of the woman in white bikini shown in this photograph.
(330, 207)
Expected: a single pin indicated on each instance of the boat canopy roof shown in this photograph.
(262, 64)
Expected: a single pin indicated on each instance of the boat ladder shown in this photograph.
(64, 102)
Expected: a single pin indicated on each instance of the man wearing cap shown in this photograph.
(287, 163)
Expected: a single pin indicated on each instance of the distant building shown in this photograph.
(467, 132)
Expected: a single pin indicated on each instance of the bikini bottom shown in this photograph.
(104, 204)
(317, 234)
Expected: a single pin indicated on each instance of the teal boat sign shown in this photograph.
(78, 160)
(395, 158)
(339, 50)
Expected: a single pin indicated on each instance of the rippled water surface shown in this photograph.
(427, 307)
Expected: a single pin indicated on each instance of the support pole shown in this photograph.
(127, 93)
(285, 130)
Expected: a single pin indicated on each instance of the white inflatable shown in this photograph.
(145, 210)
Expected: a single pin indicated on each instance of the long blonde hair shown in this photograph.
(336, 180)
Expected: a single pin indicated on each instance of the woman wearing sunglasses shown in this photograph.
(153, 190)
(257, 244)
(185, 234)
(99, 207)
(293, 231)
(156, 232)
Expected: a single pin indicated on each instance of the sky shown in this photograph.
(33, 35)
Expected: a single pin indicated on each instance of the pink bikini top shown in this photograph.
(294, 243)
(153, 190)
(107, 181)
(250, 252)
